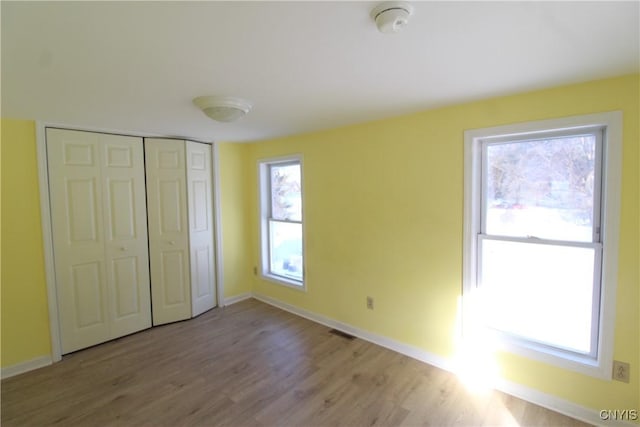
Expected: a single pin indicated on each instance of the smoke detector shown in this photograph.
(223, 108)
(392, 16)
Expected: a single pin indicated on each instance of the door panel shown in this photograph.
(126, 233)
(172, 279)
(76, 154)
(168, 237)
(203, 273)
(169, 157)
(170, 196)
(87, 296)
(82, 207)
(79, 250)
(125, 277)
(200, 220)
(199, 179)
(119, 156)
(122, 209)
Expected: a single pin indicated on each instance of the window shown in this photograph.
(281, 220)
(541, 212)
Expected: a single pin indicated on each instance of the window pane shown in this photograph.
(540, 292)
(285, 248)
(286, 198)
(541, 188)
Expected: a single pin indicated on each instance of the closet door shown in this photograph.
(199, 193)
(100, 295)
(78, 238)
(126, 242)
(168, 230)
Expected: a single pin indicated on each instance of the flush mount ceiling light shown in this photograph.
(223, 108)
(392, 16)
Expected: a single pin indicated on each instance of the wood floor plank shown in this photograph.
(251, 364)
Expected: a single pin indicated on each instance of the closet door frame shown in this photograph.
(47, 228)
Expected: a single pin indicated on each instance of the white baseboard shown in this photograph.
(236, 298)
(29, 365)
(548, 401)
(560, 405)
(407, 350)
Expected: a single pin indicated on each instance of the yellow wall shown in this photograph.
(383, 217)
(236, 262)
(25, 321)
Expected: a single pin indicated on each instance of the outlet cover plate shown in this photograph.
(621, 371)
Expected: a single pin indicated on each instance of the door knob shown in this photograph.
(172, 242)
(123, 248)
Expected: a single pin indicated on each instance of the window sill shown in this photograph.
(280, 280)
(583, 364)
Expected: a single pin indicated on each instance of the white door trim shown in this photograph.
(47, 236)
(217, 224)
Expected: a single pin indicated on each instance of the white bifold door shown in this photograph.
(180, 211)
(97, 193)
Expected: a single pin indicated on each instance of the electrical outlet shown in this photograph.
(370, 303)
(621, 371)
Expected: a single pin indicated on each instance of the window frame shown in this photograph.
(599, 363)
(594, 243)
(266, 219)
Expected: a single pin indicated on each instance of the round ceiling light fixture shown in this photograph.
(392, 16)
(223, 108)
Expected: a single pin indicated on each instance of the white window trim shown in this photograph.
(601, 366)
(264, 200)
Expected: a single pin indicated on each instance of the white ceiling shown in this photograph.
(136, 66)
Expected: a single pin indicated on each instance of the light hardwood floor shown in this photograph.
(251, 364)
